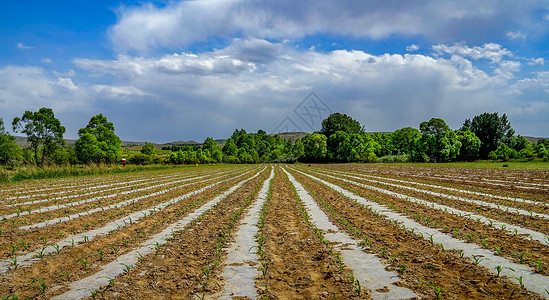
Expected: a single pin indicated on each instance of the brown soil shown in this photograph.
(300, 266)
(112, 245)
(511, 246)
(425, 265)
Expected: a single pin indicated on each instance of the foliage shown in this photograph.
(98, 143)
(492, 130)
(43, 130)
(10, 153)
(147, 149)
(438, 142)
(406, 139)
(503, 152)
(470, 145)
(314, 146)
(340, 122)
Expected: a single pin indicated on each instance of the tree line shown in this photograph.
(341, 139)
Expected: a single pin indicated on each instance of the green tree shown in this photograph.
(43, 130)
(470, 145)
(503, 152)
(230, 149)
(314, 146)
(439, 142)
(98, 142)
(298, 150)
(10, 152)
(147, 149)
(492, 130)
(209, 144)
(406, 140)
(340, 122)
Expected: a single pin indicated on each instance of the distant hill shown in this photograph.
(534, 139)
(291, 135)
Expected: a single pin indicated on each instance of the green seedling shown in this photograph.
(13, 249)
(66, 274)
(499, 269)
(521, 256)
(40, 284)
(478, 260)
(520, 280)
(539, 265)
(14, 262)
(127, 268)
(84, 262)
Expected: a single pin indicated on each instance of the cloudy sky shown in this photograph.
(183, 70)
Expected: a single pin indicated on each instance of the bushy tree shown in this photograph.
(438, 141)
(230, 149)
(470, 145)
(406, 139)
(42, 129)
(98, 142)
(340, 122)
(147, 149)
(10, 152)
(503, 152)
(209, 144)
(492, 130)
(314, 145)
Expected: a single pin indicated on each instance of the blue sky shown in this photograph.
(179, 70)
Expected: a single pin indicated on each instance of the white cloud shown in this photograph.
(178, 24)
(387, 91)
(69, 73)
(46, 60)
(491, 51)
(536, 61)
(412, 48)
(516, 35)
(540, 80)
(118, 92)
(23, 47)
(66, 83)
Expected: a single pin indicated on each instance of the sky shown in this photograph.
(165, 71)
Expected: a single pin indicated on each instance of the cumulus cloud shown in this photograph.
(412, 48)
(178, 24)
(536, 61)
(516, 35)
(66, 83)
(490, 51)
(385, 92)
(23, 47)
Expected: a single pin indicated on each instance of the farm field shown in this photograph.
(347, 231)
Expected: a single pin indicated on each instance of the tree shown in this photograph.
(98, 142)
(42, 129)
(209, 144)
(439, 142)
(147, 149)
(470, 145)
(10, 152)
(406, 140)
(230, 149)
(314, 146)
(492, 130)
(340, 122)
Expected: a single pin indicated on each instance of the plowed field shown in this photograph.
(279, 232)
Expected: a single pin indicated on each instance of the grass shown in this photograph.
(483, 164)
(33, 172)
